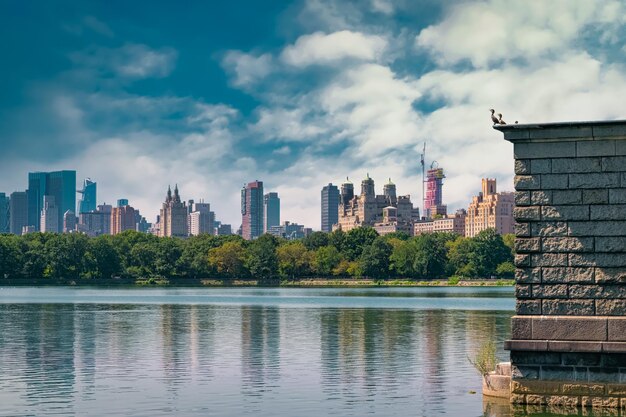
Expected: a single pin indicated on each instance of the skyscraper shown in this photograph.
(5, 214)
(88, 201)
(69, 222)
(49, 219)
(122, 218)
(201, 219)
(173, 216)
(18, 206)
(252, 210)
(59, 184)
(330, 207)
(271, 211)
(490, 209)
(434, 193)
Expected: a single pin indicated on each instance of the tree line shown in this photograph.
(361, 252)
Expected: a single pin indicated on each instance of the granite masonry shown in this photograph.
(568, 342)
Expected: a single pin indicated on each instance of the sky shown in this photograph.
(212, 95)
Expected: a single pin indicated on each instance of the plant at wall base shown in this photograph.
(484, 359)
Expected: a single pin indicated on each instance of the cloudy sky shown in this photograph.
(210, 95)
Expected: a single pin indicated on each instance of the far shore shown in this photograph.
(298, 283)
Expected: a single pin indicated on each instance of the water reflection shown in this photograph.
(164, 359)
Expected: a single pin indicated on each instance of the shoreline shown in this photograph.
(300, 283)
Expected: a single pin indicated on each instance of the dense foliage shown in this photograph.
(358, 253)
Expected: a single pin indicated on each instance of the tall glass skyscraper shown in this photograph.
(4, 213)
(271, 211)
(88, 202)
(252, 210)
(59, 184)
(18, 206)
(330, 207)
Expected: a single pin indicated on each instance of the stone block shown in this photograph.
(583, 389)
(617, 330)
(540, 197)
(528, 275)
(575, 165)
(610, 275)
(522, 260)
(617, 196)
(527, 213)
(596, 228)
(522, 198)
(567, 244)
(521, 328)
(518, 399)
(597, 291)
(522, 229)
(614, 164)
(596, 259)
(616, 389)
(557, 373)
(549, 291)
(614, 360)
(525, 372)
(580, 212)
(562, 401)
(567, 308)
(560, 197)
(611, 244)
(605, 402)
(614, 348)
(608, 212)
(541, 166)
(535, 358)
(582, 359)
(528, 307)
(554, 181)
(567, 275)
(523, 291)
(600, 196)
(524, 245)
(529, 182)
(609, 131)
(595, 148)
(526, 345)
(549, 259)
(615, 307)
(549, 229)
(534, 399)
(570, 328)
(544, 150)
(522, 166)
(603, 374)
(594, 180)
(574, 346)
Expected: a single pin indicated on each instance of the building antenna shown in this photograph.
(423, 178)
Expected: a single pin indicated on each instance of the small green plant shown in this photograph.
(454, 280)
(485, 358)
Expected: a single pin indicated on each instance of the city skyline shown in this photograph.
(311, 90)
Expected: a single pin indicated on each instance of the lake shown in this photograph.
(238, 352)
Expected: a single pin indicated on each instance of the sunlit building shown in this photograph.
(173, 216)
(252, 210)
(490, 209)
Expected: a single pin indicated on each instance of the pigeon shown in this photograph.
(494, 119)
(502, 122)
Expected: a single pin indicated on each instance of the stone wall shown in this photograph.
(569, 333)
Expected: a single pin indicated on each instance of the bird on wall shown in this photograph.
(502, 122)
(494, 119)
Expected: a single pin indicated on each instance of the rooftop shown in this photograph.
(582, 130)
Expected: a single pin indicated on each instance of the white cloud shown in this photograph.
(383, 6)
(487, 32)
(321, 48)
(247, 68)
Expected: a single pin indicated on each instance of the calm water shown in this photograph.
(240, 352)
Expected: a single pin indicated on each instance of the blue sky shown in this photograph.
(138, 95)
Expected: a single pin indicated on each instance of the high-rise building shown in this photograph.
(330, 207)
(88, 201)
(5, 214)
(288, 230)
(271, 211)
(122, 202)
(59, 184)
(252, 210)
(454, 223)
(201, 219)
(347, 192)
(173, 216)
(49, 218)
(69, 222)
(490, 209)
(96, 222)
(433, 205)
(18, 206)
(122, 219)
(224, 230)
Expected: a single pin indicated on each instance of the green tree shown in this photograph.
(431, 255)
(356, 240)
(489, 252)
(315, 240)
(460, 257)
(65, 254)
(262, 261)
(325, 260)
(106, 261)
(375, 259)
(194, 262)
(293, 259)
(11, 256)
(506, 270)
(229, 259)
(402, 257)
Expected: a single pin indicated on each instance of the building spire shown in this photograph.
(169, 194)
